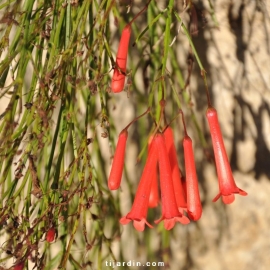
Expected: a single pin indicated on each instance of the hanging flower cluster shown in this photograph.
(180, 197)
(178, 203)
(163, 157)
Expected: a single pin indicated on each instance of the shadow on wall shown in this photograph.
(243, 27)
(262, 154)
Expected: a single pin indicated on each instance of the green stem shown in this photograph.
(167, 38)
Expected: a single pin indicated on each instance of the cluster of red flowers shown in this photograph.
(172, 210)
(180, 198)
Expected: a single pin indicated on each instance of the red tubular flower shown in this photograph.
(170, 213)
(139, 208)
(118, 79)
(118, 161)
(194, 206)
(154, 194)
(176, 172)
(50, 235)
(226, 181)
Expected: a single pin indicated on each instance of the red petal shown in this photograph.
(217, 197)
(228, 199)
(169, 223)
(242, 192)
(183, 220)
(139, 225)
(124, 220)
